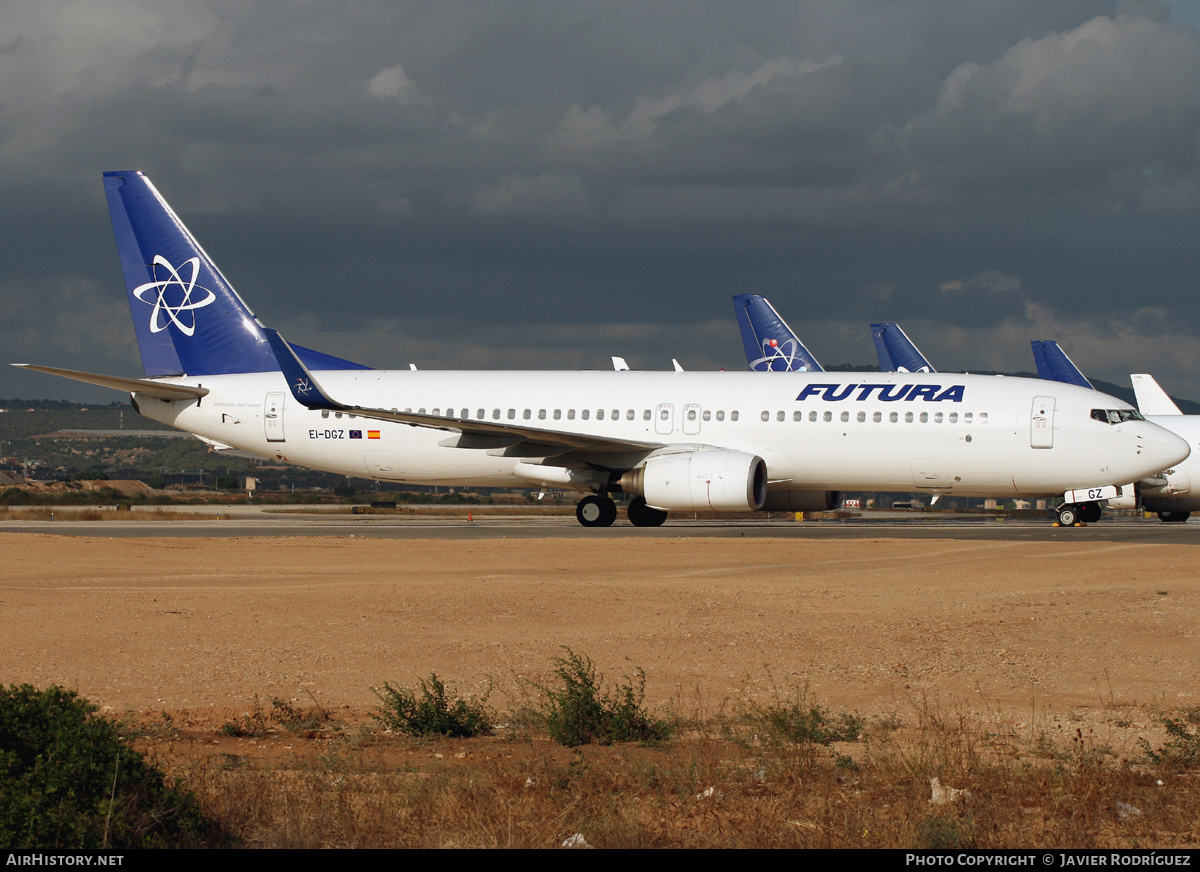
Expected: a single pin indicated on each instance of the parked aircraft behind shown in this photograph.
(896, 351)
(1168, 493)
(770, 344)
(676, 441)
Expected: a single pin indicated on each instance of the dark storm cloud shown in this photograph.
(550, 183)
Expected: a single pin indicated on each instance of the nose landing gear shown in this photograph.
(1070, 514)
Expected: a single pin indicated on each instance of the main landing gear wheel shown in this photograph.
(641, 515)
(596, 511)
(1174, 517)
(1068, 515)
(1090, 513)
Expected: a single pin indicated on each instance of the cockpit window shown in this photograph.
(1117, 416)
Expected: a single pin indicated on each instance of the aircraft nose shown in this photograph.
(1166, 447)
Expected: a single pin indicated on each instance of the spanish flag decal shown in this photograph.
(372, 434)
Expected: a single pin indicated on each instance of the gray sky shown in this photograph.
(545, 184)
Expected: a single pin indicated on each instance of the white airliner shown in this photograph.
(1171, 494)
(676, 441)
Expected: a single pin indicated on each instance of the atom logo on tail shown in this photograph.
(185, 305)
(786, 353)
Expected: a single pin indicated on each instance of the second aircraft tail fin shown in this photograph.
(770, 344)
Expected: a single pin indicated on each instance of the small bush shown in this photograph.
(434, 713)
(1182, 748)
(67, 780)
(802, 722)
(582, 712)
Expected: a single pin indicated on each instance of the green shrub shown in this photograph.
(67, 780)
(1182, 748)
(582, 712)
(433, 713)
(801, 721)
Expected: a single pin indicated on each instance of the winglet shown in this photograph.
(1151, 398)
(1054, 365)
(896, 351)
(300, 381)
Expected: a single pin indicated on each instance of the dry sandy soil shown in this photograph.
(1063, 631)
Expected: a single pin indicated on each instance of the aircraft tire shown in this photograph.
(641, 515)
(1174, 517)
(594, 511)
(1090, 513)
(1068, 515)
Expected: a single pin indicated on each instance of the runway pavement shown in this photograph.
(254, 523)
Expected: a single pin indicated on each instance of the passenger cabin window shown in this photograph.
(707, 415)
(527, 414)
(954, 417)
(845, 417)
(599, 414)
(585, 413)
(496, 414)
(512, 414)
(570, 414)
(558, 414)
(646, 416)
(720, 416)
(828, 417)
(324, 413)
(733, 416)
(862, 416)
(766, 416)
(541, 414)
(877, 417)
(480, 413)
(631, 414)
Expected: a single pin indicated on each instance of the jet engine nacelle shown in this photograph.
(1172, 483)
(715, 480)
(803, 501)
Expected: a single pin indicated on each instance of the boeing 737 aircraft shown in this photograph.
(676, 441)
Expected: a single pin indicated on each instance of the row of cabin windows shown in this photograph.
(691, 414)
(557, 414)
(877, 417)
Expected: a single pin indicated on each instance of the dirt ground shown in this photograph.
(1069, 631)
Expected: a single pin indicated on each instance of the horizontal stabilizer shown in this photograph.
(145, 387)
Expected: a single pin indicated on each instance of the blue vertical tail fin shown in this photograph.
(770, 344)
(896, 351)
(188, 318)
(1054, 365)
